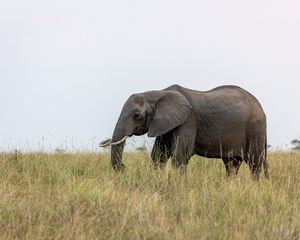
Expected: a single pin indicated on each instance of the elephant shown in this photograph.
(226, 122)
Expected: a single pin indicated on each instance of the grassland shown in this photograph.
(79, 196)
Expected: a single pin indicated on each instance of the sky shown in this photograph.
(67, 67)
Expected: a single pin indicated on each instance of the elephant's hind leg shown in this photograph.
(256, 159)
(255, 165)
(256, 149)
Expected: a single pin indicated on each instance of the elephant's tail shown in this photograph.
(265, 162)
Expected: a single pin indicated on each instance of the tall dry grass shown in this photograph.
(79, 196)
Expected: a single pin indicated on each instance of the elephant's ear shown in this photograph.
(171, 110)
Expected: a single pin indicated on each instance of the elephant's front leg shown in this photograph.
(232, 165)
(160, 152)
(183, 147)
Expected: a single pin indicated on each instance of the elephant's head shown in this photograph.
(155, 112)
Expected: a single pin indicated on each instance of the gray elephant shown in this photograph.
(226, 122)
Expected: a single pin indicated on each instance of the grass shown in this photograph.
(79, 196)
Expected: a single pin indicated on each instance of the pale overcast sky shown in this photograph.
(66, 67)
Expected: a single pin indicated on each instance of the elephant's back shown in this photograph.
(230, 100)
(230, 96)
(232, 91)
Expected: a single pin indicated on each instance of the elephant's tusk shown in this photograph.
(105, 144)
(113, 143)
(120, 141)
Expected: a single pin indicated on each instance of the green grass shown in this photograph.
(79, 196)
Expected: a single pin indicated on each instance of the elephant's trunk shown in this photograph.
(119, 138)
(116, 156)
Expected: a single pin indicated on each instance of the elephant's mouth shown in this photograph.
(140, 131)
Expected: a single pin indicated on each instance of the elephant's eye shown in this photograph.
(138, 116)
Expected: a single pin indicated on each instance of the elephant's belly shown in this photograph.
(220, 149)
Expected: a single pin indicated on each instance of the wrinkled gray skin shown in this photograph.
(226, 122)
